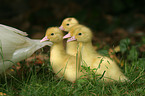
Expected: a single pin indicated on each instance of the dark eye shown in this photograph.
(52, 33)
(80, 34)
(67, 24)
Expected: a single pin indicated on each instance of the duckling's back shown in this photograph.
(111, 69)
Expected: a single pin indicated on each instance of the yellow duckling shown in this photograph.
(62, 63)
(95, 60)
(15, 46)
(70, 25)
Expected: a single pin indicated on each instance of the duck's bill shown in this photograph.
(67, 36)
(71, 39)
(44, 39)
(61, 28)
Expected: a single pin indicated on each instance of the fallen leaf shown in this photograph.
(2, 94)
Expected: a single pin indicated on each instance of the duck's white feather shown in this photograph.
(14, 30)
(14, 46)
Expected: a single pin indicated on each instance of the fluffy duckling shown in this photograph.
(62, 63)
(95, 60)
(15, 46)
(70, 25)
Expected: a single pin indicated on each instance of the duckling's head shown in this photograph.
(71, 32)
(53, 34)
(82, 34)
(68, 23)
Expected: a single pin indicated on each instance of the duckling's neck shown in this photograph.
(57, 50)
(72, 47)
(87, 48)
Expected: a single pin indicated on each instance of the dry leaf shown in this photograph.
(2, 94)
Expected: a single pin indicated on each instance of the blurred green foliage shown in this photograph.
(124, 43)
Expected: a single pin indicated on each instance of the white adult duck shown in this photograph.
(15, 46)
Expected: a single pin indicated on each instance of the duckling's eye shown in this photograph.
(52, 34)
(67, 24)
(80, 34)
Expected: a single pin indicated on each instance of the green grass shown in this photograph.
(43, 82)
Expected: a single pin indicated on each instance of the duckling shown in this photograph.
(15, 46)
(72, 47)
(63, 64)
(91, 58)
(70, 25)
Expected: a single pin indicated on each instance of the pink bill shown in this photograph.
(44, 39)
(67, 36)
(61, 28)
(71, 39)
